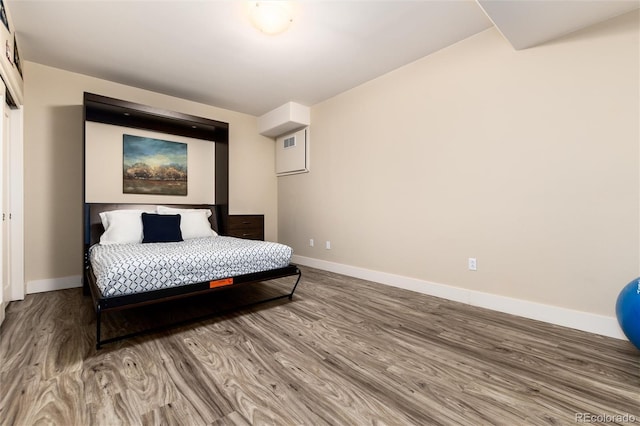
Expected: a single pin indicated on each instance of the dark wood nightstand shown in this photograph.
(249, 226)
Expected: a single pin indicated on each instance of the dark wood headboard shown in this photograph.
(93, 224)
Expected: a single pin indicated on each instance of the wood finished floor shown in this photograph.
(344, 352)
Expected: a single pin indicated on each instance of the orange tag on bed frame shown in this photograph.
(220, 283)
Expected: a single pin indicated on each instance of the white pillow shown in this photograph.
(121, 227)
(176, 210)
(194, 223)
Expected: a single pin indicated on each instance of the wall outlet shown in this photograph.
(328, 245)
(473, 264)
(311, 242)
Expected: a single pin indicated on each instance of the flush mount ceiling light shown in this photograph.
(271, 16)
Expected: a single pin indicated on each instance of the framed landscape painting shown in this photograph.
(3, 15)
(153, 166)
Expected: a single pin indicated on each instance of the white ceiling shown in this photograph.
(207, 51)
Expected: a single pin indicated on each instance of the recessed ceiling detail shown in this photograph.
(528, 23)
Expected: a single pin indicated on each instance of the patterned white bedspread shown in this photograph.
(135, 268)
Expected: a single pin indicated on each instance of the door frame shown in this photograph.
(4, 298)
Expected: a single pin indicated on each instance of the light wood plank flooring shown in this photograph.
(344, 352)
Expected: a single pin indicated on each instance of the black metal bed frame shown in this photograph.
(106, 304)
(92, 231)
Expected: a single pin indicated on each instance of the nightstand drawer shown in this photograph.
(250, 226)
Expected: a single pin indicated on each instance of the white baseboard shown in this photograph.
(39, 286)
(592, 323)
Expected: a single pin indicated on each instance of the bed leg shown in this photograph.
(296, 285)
(98, 319)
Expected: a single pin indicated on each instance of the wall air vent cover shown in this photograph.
(292, 153)
(290, 142)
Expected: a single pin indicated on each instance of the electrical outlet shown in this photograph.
(328, 245)
(311, 242)
(473, 264)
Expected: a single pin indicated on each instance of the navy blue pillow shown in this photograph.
(161, 228)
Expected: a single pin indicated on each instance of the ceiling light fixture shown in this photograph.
(271, 16)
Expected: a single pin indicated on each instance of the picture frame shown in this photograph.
(3, 15)
(153, 166)
(16, 57)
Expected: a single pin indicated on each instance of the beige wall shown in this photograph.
(53, 164)
(526, 160)
(103, 162)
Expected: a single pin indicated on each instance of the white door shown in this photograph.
(16, 197)
(4, 204)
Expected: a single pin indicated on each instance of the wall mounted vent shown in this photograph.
(292, 153)
(290, 142)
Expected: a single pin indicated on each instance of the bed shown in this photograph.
(127, 273)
